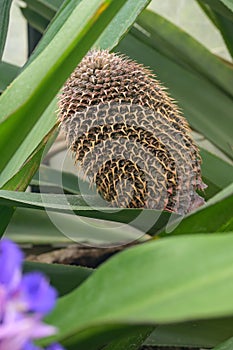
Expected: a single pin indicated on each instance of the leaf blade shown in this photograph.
(5, 6)
(191, 292)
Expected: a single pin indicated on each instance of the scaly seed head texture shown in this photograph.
(128, 135)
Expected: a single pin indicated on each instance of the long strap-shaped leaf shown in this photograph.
(215, 216)
(5, 6)
(222, 17)
(7, 73)
(88, 206)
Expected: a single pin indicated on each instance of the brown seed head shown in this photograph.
(128, 135)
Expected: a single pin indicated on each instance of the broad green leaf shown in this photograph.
(145, 220)
(5, 6)
(49, 71)
(226, 345)
(216, 216)
(146, 292)
(198, 334)
(64, 278)
(202, 104)
(8, 72)
(132, 342)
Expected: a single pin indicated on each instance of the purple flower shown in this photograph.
(11, 259)
(54, 346)
(38, 295)
(24, 300)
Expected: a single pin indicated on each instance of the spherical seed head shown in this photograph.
(129, 136)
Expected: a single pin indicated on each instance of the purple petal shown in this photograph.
(16, 335)
(37, 293)
(54, 346)
(11, 258)
(30, 346)
(3, 300)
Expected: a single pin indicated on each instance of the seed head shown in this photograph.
(129, 136)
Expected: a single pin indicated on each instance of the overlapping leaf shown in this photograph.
(198, 334)
(112, 298)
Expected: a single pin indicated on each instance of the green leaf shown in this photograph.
(35, 20)
(29, 226)
(198, 334)
(63, 277)
(145, 220)
(222, 18)
(40, 8)
(202, 104)
(20, 181)
(55, 25)
(34, 141)
(146, 292)
(47, 176)
(49, 4)
(121, 24)
(5, 215)
(5, 6)
(226, 345)
(215, 169)
(216, 216)
(8, 72)
(224, 7)
(226, 27)
(229, 4)
(132, 342)
(48, 72)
